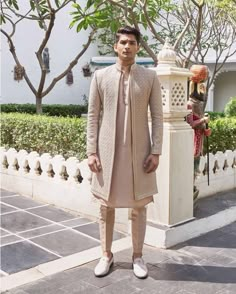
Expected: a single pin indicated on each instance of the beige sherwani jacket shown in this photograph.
(145, 91)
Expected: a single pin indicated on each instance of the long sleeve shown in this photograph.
(155, 103)
(94, 109)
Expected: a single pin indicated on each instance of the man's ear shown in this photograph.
(115, 47)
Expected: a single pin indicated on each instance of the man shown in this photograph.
(120, 153)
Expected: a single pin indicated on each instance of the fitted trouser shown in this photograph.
(138, 218)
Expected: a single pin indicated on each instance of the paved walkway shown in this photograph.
(33, 233)
(204, 264)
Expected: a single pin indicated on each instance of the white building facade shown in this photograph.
(64, 45)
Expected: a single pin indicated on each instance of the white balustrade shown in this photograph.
(72, 171)
(44, 166)
(222, 173)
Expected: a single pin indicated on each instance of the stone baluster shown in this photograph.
(3, 159)
(23, 162)
(220, 161)
(229, 156)
(12, 160)
(33, 162)
(58, 165)
(46, 166)
(72, 167)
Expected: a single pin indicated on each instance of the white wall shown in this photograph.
(225, 88)
(64, 45)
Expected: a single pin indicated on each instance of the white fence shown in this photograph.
(222, 173)
(66, 183)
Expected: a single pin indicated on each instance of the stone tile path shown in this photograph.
(33, 233)
(206, 264)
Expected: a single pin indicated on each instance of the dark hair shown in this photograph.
(129, 31)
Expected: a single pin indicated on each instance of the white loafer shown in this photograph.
(103, 266)
(140, 268)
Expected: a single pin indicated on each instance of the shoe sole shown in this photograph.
(141, 278)
(101, 276)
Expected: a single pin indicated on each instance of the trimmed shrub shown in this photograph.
(230, 107)
(67, 136)
(52, 110)
(215, 115)
(223, 135)
(54, 135)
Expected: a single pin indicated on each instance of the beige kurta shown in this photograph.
(122, 185)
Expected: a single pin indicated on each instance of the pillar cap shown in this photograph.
(167, 55)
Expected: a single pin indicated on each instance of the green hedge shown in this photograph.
(52, 110)
(67, 136)
(215, 115)
(54, 135)
(223, 135)
(230, 107)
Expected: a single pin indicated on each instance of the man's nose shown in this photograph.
(127, 45)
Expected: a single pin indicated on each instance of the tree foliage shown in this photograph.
(44, 13)
(197, 28)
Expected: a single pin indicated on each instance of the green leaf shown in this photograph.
(89, 3)
(15, 5)
(57, 2)
(80, 26)
(2, 19)
(32, 5)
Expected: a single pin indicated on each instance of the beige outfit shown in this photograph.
(144, 91)
(121, 139)
(138, 220)
(122, 184)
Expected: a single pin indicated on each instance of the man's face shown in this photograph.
(126, 47)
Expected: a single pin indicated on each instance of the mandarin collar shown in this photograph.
(118, 66)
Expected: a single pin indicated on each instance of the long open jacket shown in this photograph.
(101, 130)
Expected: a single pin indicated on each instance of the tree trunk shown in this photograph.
(39, 109)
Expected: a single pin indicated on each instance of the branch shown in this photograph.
(13, 52)
(143, 43)
(182, 33)
(162, 41)
(49, 5)
(40, 50)
(63, 5)
(13, 26)
(133, 5)
(21, 15)
(149, 51)
(72, 64)
(198, 5)
(115, 3)
(198, 34)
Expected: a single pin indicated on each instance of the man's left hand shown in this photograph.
(151, 163)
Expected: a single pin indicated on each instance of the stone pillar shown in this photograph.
(210, 100)
(174, 201)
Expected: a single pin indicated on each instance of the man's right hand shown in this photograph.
(94, 163)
